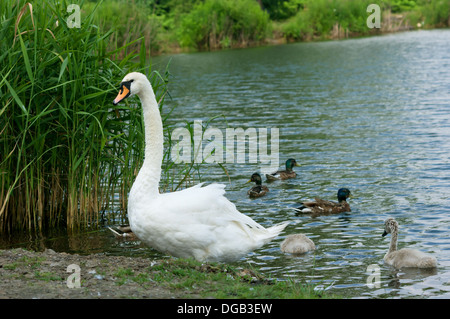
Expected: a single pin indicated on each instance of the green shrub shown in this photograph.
(282, 9)
(319, 18)
(218, 23)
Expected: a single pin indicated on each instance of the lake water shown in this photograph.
(370, 114)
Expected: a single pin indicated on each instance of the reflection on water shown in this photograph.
(369, 114)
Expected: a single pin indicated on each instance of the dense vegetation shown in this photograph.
(64, 151)
(174, 25)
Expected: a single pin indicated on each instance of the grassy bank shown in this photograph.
(191, 25)
(43, 275)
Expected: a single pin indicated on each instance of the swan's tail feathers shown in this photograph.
(277, 229)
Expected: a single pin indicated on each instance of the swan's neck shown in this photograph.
(150, 173)
(393, 246)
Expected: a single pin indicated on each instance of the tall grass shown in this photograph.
(128, 19)
(64, 152)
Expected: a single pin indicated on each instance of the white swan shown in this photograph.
(297, 244)
(196, 222)
(406, 257)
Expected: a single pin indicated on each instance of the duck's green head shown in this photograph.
(290, 163)
(343, 194)
(256, 178)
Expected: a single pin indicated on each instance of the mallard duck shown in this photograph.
(259, 190)
(405, 257)
(284, 174)
(321, 206)
(198, 222)
(297, 244)
(123, 231)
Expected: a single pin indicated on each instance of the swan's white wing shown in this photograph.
(205, 221)
(208, 206)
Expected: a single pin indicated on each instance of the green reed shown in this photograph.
(64, 151)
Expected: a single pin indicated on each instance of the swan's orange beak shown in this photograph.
(123, 93)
